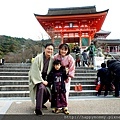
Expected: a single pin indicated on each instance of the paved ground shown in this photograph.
(77, 106)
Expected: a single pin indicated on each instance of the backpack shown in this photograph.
(91, 50)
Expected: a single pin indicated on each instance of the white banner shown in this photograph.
(97, 62)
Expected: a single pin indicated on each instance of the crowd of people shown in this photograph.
(86, 57)
(50, 76)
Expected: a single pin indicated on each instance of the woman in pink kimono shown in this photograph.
(68, 61)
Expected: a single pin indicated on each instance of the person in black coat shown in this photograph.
(114, 68)
(76, 49)
(103, 76)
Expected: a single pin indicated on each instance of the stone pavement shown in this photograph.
(77, 106)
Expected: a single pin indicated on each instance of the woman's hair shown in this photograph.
(66, 47)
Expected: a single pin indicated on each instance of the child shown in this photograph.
(57, 78)
(85, 58)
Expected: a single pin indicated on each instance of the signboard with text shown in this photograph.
(97, 62)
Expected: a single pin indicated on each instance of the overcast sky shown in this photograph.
(17, 16)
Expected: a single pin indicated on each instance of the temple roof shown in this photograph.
(71, 10)
(109, 41)
(86, 10)
(103, 32)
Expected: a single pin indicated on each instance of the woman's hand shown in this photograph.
(67, 70)
(66, 81)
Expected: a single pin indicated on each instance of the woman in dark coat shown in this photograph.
(57, 78)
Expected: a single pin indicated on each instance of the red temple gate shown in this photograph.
(72, 25)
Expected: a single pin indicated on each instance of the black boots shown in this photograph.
(38, 112)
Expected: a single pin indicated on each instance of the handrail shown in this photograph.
(112, 57)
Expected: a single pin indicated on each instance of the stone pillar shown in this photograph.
(80, 42)
(62, 39)
(116, 49)
(53, 40)
(89, 40)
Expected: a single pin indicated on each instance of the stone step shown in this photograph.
(83, 93)
(17, 69)
(83, 82)
(84, 87)
(14, 69)
(23, 87)
(14, 93)
(16, 65)
(85, 71)
(87, 93)
(13, 77)
(72, 93)
(18, 81)
(84, 78)
(25, 81)
(3, 73)
(84, 68)
(14, 73)
(14, 82)
(85, 74)
(25, 73)
(26, 78)
(14, 88)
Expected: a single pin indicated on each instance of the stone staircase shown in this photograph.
(14, 80)
(86, 77)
